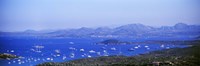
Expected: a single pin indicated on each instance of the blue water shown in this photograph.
(58, 49)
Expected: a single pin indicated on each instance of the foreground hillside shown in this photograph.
(189, 56)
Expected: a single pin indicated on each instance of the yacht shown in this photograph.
(146, 46)
(113, 48)
(162, 46)
(72, 55)
(92, 51)
(136, 47)
(131, 49)
(71, 42)
(82, 50)
(89, 56)
(72, 48)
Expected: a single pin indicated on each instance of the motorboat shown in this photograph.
(92, 51)
(113, 48)
(82, 50)
(131, 49)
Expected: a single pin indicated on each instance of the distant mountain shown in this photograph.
(132, 29)
(40, 31)
(129, 30)
(102, 31)
(181, 26)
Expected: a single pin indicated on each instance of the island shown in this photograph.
(8, 56)
(113, 41)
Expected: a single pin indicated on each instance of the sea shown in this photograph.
(33, 50)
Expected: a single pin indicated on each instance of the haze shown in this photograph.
(20, 15)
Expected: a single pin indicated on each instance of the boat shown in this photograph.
(38, 48)
(103, 48)
(105, 53)
(99, 53)
(146, 46)
(71, 48)
(92, 51)
(12, 51)
(136, 47)
(131, 49)
(71, 42)
(113, 48)
(139, 46)
(162, 46)
(89, 56)
(83, 55)
(72, 55)
(82, 50)
(64, 57)
(57, 51)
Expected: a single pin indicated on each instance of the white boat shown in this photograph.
(58, 55)
(14, 61)
(71, 42)
(9, 62)
(167, 47)
(71, 48)
(146, 46)
(92, 51)
(136, 47)
(113, 48)
(82, 50)
(12, 51)
(64, 57)
(99, 53)
(162, 46)
(103, 48)
(48, 58)
(89, 56)
(83, 55)
(38, 48)
(51, 59)
(139, 46)
(57, 51)
(72, 55)
(131, 49)
(105, 53)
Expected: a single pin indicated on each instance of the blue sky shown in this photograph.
(19, 15)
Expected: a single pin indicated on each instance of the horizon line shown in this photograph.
(94, 27)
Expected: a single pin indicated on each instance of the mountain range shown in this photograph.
(129, 30)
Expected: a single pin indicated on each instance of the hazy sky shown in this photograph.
(19, 15)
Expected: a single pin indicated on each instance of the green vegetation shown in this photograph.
(189, 56)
